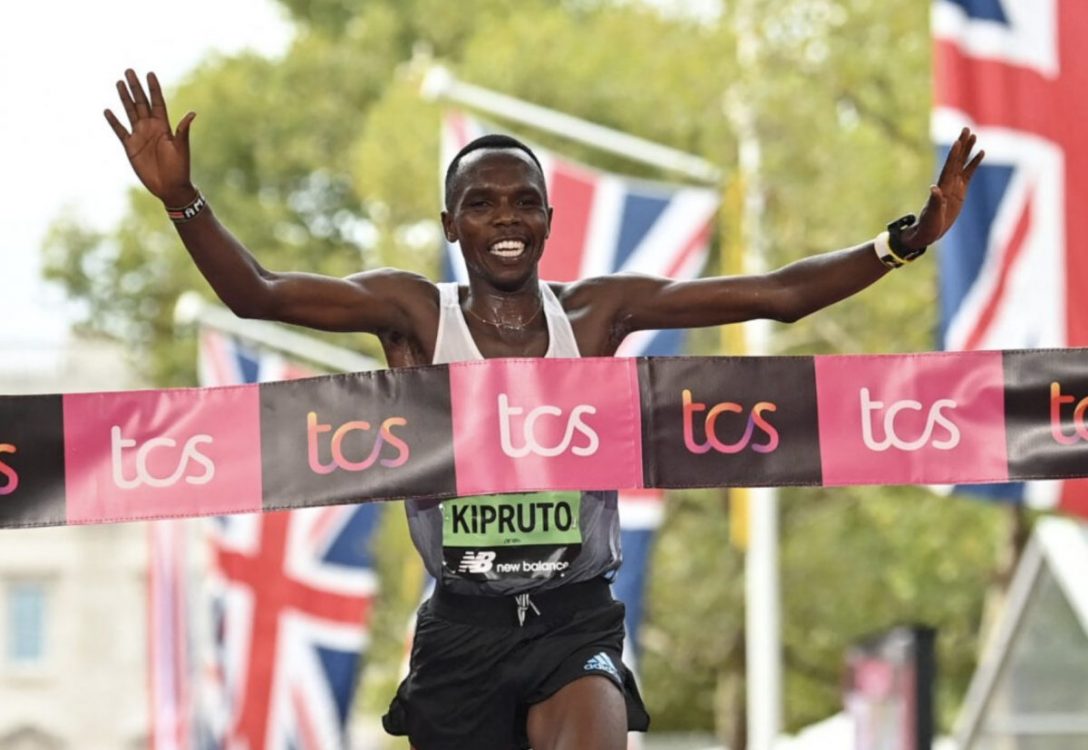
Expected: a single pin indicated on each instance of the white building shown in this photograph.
(73, 618)
(1030, 691)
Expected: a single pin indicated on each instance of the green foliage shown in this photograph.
(326, 160)
(692, 638)
(402, 575)
(856, 561)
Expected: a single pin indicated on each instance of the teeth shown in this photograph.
(508, 248)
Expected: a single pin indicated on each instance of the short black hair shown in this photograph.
(489, 141)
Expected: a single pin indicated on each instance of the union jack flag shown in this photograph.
(291, 595)
(170, 665)
(1016, 71)
(607, 223)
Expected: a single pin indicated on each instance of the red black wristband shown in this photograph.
(188, 212)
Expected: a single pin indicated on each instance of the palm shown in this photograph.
(153, 155)
(159, 156)
(947, 196)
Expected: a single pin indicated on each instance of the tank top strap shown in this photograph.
(562, 342)
(448, 294)
(454, 342)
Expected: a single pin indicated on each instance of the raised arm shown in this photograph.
(800, 288)
(374, 302)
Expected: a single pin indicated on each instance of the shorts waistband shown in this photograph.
(520, 609)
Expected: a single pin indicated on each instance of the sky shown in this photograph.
(59, 60)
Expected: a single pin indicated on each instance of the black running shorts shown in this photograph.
(475, 671)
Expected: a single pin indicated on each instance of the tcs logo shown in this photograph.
(755, 421)
(314, 430)
(923, 418)
(11, 479)
(190, 452)
(149, 454)
(1057, 400)
(935, 418)
(529, 433)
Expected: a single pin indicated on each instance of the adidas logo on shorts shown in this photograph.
(601, 662)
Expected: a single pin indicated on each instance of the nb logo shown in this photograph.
(189, 452)
(315, 429)
(755, 421)
(477, 562)
(530, 444)
(1057, 400)
(11, 482)
(934, 418)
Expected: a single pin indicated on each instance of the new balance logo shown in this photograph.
(601, 662)
(476, 562)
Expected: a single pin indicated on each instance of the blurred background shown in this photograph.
(818, 121)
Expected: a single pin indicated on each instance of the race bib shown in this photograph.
(495, 537)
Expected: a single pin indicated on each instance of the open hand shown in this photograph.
(159, 155)
(946, 197)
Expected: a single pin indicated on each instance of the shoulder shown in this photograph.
(392, 276)
(405, 286)
(611, 291)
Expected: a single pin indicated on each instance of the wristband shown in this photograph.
(884, 252)
(889, 246)
(186, 213)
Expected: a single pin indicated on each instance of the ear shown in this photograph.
(448, 228)
(551, 213)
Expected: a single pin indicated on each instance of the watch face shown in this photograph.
(896, 244)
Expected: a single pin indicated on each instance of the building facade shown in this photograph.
(73, 614)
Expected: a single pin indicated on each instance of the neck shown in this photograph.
(504, 308)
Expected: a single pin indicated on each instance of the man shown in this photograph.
(504, 661)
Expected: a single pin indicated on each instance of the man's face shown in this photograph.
(499, 213)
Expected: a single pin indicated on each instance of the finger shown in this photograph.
(158, 102)
(118, 128)
(183, 130)
(968, 147)
(969, 172)
(952, 162)
(935, 202)
(143, 109)
(931, 220)
(127, 103)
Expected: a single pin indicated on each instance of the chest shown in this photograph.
(494, 342)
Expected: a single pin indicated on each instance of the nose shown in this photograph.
(505, 213)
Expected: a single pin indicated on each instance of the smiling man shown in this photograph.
(524, 650)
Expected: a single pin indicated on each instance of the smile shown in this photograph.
(508, 248)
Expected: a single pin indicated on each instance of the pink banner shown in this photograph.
(518, 425)
(558, 427)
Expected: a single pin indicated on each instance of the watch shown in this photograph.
(889, 245)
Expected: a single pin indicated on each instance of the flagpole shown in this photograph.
(763, 640)
(192, 309)
(440, 84)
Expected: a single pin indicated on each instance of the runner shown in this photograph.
(520, 645)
